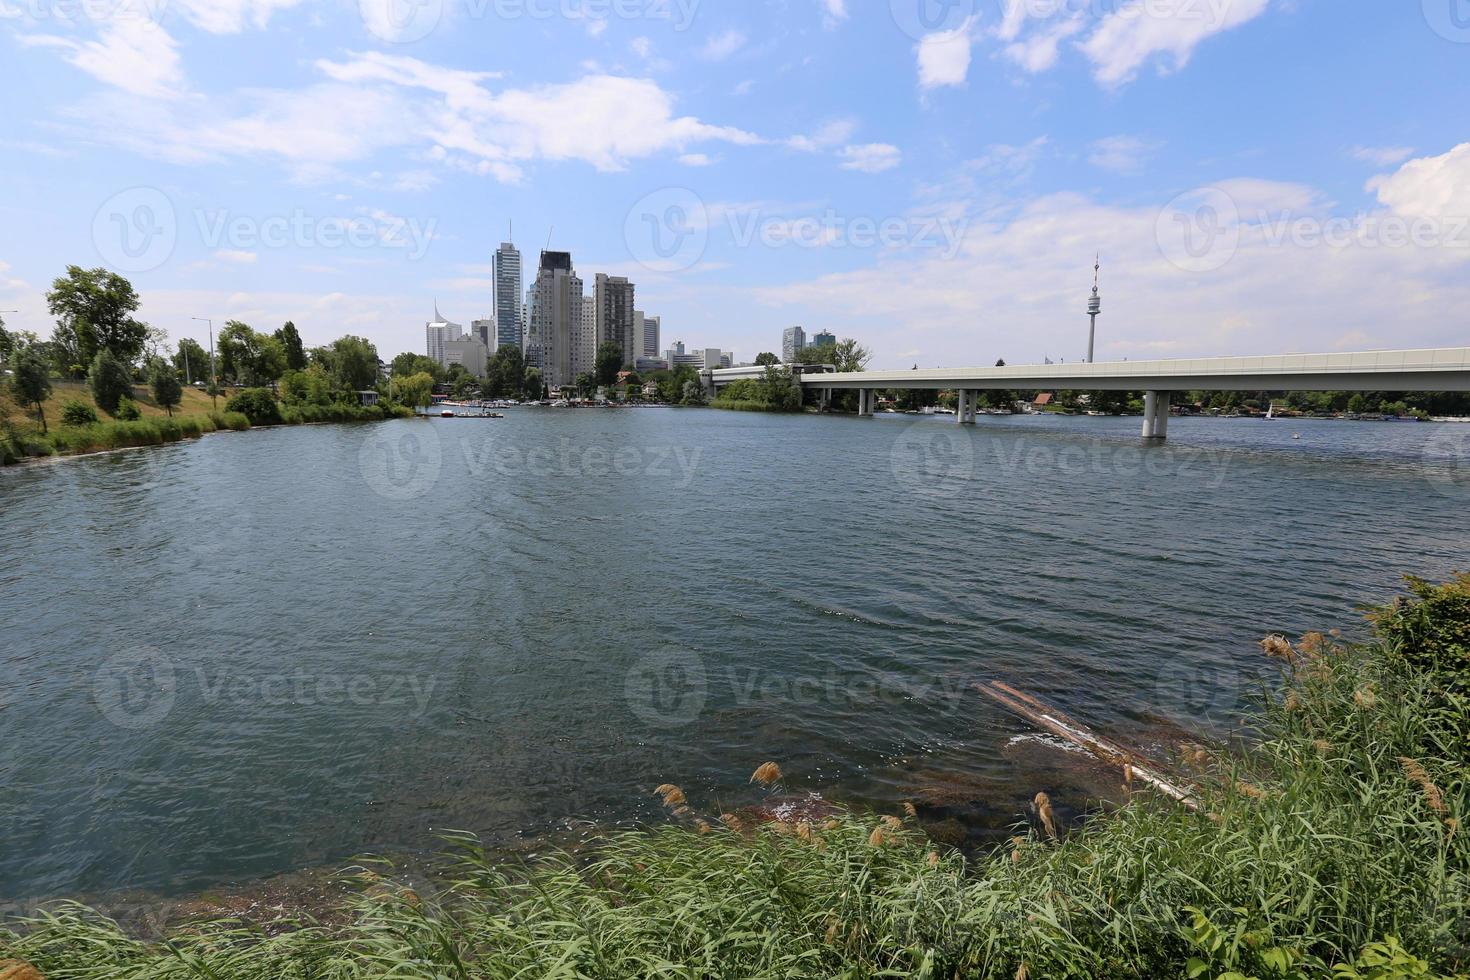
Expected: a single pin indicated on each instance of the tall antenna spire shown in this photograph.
(1094, 307)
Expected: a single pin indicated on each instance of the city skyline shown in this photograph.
(940, 193)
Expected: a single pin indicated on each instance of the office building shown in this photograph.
(824, 339)
(439, 332)
(510, 323)
(645, 335)
(468, 352)
(584, 349)
(793, 342)
(483, 330)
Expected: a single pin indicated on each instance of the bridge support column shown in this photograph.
(962, 406)
(1156, 414)
(974, 401)
(867, 399)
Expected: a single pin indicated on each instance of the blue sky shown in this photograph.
(930, 177)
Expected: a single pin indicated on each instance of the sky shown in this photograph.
(932, 177)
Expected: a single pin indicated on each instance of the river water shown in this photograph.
(271, 650)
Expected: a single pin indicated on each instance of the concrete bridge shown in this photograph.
(1443, 369)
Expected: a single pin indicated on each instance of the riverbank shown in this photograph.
(1332, 839)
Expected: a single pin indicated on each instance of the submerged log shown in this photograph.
(1051, 720)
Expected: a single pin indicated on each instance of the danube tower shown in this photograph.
(1094, 307)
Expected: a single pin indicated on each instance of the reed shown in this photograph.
(1344, 853)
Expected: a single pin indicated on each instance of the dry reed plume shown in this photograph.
(18, 970)
(672, 795)
(1418, 774)
(766, 774)
(1045, 815)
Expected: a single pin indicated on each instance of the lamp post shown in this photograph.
(213, 383)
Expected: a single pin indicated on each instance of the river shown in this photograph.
(261, 651)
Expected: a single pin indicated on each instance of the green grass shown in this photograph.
(1332, 840)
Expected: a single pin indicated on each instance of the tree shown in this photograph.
(110, 381)
(532, 385)
(415, 389)
(94, 311)
(7, 342)
(256, 404)
(250, 358)
(1001, 362)
(692, 394)
(167, 391)
(608, 363)
(309, 387)
(782, 392)
(31, 380)
(192, 360)
(766, 359)
(506, 373)
(409, 363)
(586, 384)
(352, 363)
(291, 344)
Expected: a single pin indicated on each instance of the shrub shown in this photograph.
(110, 381)
(74, 412)
(127, 411)
(256, 404)
(1431, 626)
(229, 420)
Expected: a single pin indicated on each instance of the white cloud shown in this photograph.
(695, 160)
(641, 46)
(1131, 35)
(944, 58)
(236, 255)
(1121, 154)
(1430, 187)
(133, 54)
(1017, 162)
(834, 13)
(1034, 268)
(1040, 51)
(232, 16)
(1382, 156)
(721, 46)
(829, 135)
(871, 158)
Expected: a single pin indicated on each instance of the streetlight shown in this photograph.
(213, 384)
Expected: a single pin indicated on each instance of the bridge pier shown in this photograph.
(867, 399)
(1156, 414)
(963, 407)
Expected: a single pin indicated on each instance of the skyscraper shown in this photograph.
(645, 335)
(584, 349)
(614, 298)
(824, 339)
(793, 342)
(509, 322)
(556, 319)
(439, 332)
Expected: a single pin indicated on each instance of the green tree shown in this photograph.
(256, 404)
(766, 358)
(586, 384)
(31, 380)
(608, 363)
(782, 392)
(309, 387)
(415, 389)
(94, 311)
(533, 386)
(109, 380)
(506, 373)
(409, 363)
(192, 360)
(248, 357)
(7, 342)
(75, 412)
(352, 363)
(291, 345)
(692, 393)
(167, 391)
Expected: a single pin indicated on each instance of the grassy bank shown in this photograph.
(1330, 845)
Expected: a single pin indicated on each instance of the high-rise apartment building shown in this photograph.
(645, 335)
(556, 319)
(793, 342)
(614, 299)
(584, 349)
(509, 289)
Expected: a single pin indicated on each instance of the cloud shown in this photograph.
(372, 102)
(834, 12)
(1003, 159)
(1121, 154)
(1381, 156)
(1133, 34)
(131, 54)
(829, 135)
(871, 158)
(236, 255)
(1430, 187)
(944, 58)
(695, 160)
(721, 46)
(641, 46)
(1035, 267)
(1041, 51)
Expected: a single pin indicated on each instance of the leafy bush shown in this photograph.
(127, 411)
(74, 412)
(110, 381)
(1431, 626)
(235, 421)
(256, 404)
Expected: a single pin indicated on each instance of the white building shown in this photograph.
(793, 342)
(645, 335)
(510, 325)
(483, 330)
(439, 332)
(584, 347)
(614, 299)
(556, 319)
